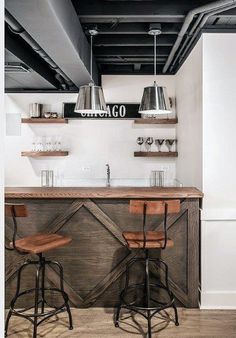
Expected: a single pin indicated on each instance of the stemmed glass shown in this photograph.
(140, 141)
(34, 145)
(169, 144)
(48, 144)
(158, 143)
(148, 143)
(58, 144)
(39, 144)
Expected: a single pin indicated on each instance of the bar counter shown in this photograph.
(101, 192)
(95, 218)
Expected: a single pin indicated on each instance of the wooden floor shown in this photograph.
(98, 323)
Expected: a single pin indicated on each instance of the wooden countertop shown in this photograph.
(101, 192)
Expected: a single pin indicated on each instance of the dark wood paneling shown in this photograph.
(94, 263)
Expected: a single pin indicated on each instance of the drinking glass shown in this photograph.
(173, 145)
(34, 145)
(58, 143)
(148, 143)
(169, 144)
(157, 178)
(58, 146)
(140, 141)
(47, 178)
(48, 144)
(39, 144)
(158, 143)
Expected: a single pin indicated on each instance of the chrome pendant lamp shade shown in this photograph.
(90, 99)
(155, 100)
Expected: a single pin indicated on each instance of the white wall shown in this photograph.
(91, 143)
(189, 128)
(219, 163)
(205, 93)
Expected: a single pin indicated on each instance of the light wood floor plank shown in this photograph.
(98, 323)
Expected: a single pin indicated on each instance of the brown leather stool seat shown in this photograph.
(154, 239)
(40, 243)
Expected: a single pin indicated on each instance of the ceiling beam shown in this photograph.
(119, 63)
(134, 40)
(130, 51)
(129, 69)
(130, 18)
(121, 8)
(130, 59)
(132, 28)
(219, 29)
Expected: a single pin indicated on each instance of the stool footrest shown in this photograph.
(42, 309)
(32, 315)
(131, 306)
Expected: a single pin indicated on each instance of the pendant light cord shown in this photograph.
(155, 55)
(91, 58)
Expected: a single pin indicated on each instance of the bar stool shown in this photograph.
(36, 244)
(146, 240)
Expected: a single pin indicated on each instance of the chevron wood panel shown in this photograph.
(94, 263)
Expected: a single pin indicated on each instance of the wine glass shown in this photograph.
(158, 143)
(39, 144)
(140, 141)
(169, 144)
(34, 144)
(48, 144)
(58, 143)
(148, 143)
(172, 144)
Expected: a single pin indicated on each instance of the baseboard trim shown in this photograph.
(220, 300)
(218, 214)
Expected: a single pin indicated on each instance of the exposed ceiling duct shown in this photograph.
(16, 28)
(16, 67)
(55, 26)
(194, 34)
(22, 81)
(24, 53)
(188, 20)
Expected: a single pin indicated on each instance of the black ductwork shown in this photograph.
(16, 45)
(55, 28)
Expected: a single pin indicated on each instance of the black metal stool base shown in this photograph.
(147, 310)
(39, 314)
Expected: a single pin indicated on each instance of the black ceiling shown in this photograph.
(123, 45)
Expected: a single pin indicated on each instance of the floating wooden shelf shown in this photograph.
(43, 120)
(156, 121)
(44, 153)
(155, 154)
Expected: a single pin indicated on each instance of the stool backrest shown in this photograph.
(13, 211)
(163, 207)
(154, 207)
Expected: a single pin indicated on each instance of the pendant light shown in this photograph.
(155, 100)
(90, 101)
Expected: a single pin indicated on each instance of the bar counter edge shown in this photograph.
(102, 192)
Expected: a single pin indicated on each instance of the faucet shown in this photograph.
(108, 181)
